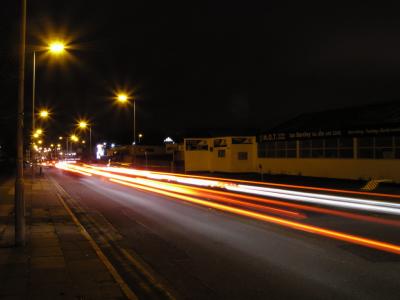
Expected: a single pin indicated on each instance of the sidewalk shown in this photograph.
(57, 261)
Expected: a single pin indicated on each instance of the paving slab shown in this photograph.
(57, 261)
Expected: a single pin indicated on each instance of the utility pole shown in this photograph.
(19, 201)
(32, 160)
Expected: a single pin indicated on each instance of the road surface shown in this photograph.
(202, 252)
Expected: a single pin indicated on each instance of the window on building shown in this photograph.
(345, 147)
(379, 147)
(327, 148)
(384, 148)
(397, 146)
(305, 148)
(221, 153)
(242, 155)
(366, 147)
(291, 149)
(277, 149)
(261, 150)
(309, 148)
(331, 148)
(281, 149)
(220, 143)
(199, 145)
(242, 140)
(317, 148)
(271, 149)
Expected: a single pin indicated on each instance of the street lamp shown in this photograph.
(44, 113)
(123, 98)
(55, 48)
(73, 138)
(82, 124)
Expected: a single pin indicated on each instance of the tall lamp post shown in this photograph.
(73, 139)
(55, 48)
(85, 125)
(43, 114)
(123, 99)
(19, 200)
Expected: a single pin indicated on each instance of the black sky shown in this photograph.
(202, 64)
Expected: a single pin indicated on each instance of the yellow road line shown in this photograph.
(148, 274)
(135, 260)
(124, 286)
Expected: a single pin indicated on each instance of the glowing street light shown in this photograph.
(38, 131)
(60, 138)
(44, 114)
(74, 138)
(56, 47)
(122, 98)
(83, 124)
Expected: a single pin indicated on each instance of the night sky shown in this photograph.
(198, 64)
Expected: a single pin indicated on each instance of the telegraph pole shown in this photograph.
(19, 181)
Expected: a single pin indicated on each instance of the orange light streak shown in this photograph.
(295, 225)
(186, 190)
(226, 180)
(208, 194)
(286, 223)
(305, 207)
(59, 166)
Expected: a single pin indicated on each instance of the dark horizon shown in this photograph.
(215, 65)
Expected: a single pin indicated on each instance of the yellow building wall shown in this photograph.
(220, 164)
(315, 167)
(197, 160)
(333, 168)
(245, 166)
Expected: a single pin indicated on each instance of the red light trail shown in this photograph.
(183, 190)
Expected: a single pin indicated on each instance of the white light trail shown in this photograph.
(343, 202)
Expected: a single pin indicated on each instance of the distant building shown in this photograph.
(129, 153)
(168, 157)
(354, 143)
(220, 154)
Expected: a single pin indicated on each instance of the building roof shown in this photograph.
(218, 132)
(375, 115)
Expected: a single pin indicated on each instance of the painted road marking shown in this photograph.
(117, 277)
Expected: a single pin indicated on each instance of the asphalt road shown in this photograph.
(203, 253)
